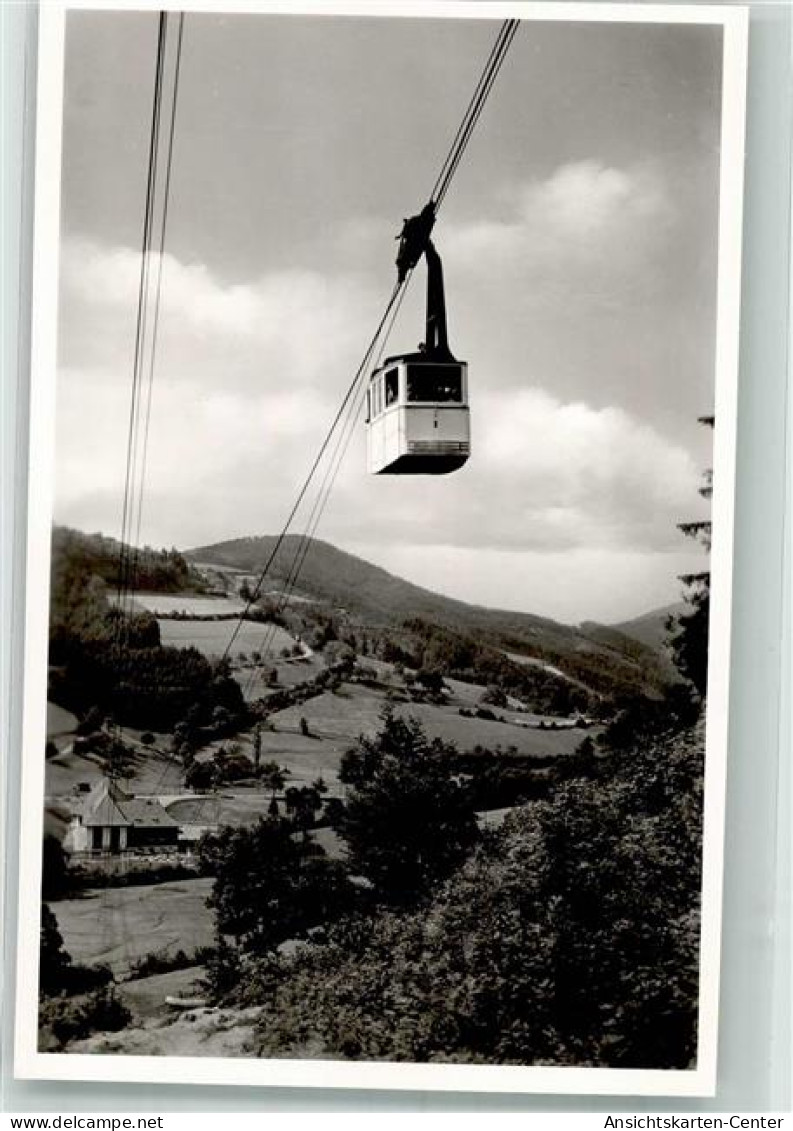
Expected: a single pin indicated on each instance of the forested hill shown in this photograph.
(75, 554)
(376, 597)
(346, 581)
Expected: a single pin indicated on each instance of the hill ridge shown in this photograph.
(375, 596)
(204, 554)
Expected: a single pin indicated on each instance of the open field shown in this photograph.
(470, 695)
(445, 722)
(336, 716)
(356, 710)
(290, 672)
(151, 771)
(212, 637)
(62, 773)
(116, 925)
(145, 997)
(166, 604)
(305, 758)
(245, 806)
(464, 694)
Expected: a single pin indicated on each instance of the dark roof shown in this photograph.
(101, 808)
(145, 811)
(108, 806)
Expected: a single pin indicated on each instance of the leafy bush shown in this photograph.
(223, 969)
(638, 719)
(164, 961)
(86, 877)
(570, 937)
(72, 1019)
(201, 776)
(494, 695)
(232, 765)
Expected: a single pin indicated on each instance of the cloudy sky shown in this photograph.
(579, 241)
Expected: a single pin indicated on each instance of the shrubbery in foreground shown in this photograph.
(571, 937)
(73, 1018)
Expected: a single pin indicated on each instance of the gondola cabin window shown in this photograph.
(440, 384)
(391, 387)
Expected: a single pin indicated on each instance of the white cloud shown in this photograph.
(264, 333)
(215, 460)
(249, 376)
(587, 198)
(571, 219)
(543, 476)
(576, 456)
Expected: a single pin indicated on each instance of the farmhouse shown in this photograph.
(110, 820)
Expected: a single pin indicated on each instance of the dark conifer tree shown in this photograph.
(689, 630)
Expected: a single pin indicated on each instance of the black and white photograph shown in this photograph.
(385, 382)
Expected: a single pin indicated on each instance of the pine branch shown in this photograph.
(695, 580)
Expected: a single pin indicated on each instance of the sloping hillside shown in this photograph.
(347, 581)
(374, 597)
(650, 628)
(409, 622)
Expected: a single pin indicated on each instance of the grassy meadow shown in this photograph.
(340, 717)
(116, 926)
(212, 637)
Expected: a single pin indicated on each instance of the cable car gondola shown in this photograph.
(417, 403)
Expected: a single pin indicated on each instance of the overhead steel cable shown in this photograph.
(344, 435)
(128, 553)
(158, 287)
(340, 446)
(474, 111)
(147, 323)
(447, 171)
(336, 459)
(148, 312)
(491, 67)
(124, 559)
(312, 470)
